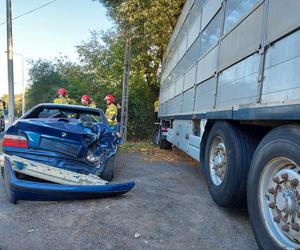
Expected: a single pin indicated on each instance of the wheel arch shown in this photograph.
(203, 142)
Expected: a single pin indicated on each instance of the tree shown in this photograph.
(151, 23)
(45, 80)
(102, 57)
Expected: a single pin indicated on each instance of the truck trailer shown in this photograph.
(230, 98)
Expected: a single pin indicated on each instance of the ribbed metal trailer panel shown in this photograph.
(215, 72)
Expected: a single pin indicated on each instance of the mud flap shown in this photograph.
(17, 189)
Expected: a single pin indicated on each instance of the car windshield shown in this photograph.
(56, 112)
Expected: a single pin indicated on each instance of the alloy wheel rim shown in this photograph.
(218, 161)
(279, 200)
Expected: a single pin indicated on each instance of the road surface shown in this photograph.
(170, 208)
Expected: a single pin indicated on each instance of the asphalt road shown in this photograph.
(169, 208)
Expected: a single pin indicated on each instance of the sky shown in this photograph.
(47, 32)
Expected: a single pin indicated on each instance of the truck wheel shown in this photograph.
(164, 144)
(109, 170)
(228, 155)
(155, 136)
(274, 189)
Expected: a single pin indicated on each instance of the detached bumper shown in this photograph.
(17, 189)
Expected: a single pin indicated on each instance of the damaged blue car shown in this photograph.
(59, 152)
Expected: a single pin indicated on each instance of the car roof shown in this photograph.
(67, 106)
(72, 108)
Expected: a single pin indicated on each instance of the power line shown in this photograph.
(31, 11)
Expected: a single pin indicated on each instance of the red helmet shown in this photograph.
(85, 99)
(109, 98)
(62, 92)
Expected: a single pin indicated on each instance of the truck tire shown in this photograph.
(274, 189)
(228, 153)
(109, 170)
(164, 144)
(155, 136)
(2, 125)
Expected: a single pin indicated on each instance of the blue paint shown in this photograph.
(19, 165)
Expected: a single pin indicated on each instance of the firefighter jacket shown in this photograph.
(63, 100)
(156, 105)
(92, 105)
(111, 114)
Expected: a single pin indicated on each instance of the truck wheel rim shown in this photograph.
(217, 161)
(279, 201)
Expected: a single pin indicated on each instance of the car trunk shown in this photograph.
(65, 136)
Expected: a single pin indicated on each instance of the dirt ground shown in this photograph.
(169, 208)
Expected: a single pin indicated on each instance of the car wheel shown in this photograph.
(228, 154)
(109, 170)
(274, 190)
(10, 195)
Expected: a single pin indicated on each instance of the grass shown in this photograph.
(136, 146)
(152, 153)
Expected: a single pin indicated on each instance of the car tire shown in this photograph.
(277, 154)
(109, 170)
(10, 195)
(228, 153)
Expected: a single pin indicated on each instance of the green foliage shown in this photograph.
(140, 118)
(148, 24)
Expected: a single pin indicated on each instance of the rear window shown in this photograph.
(82, 115)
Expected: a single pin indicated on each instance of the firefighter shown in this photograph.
(62, 97)
(2, 108)
(111, 110)
(87, 101)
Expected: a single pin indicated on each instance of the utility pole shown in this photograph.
(23, 84)
(125, 92)
(10, 65)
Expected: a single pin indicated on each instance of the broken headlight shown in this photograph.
(92, 158)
